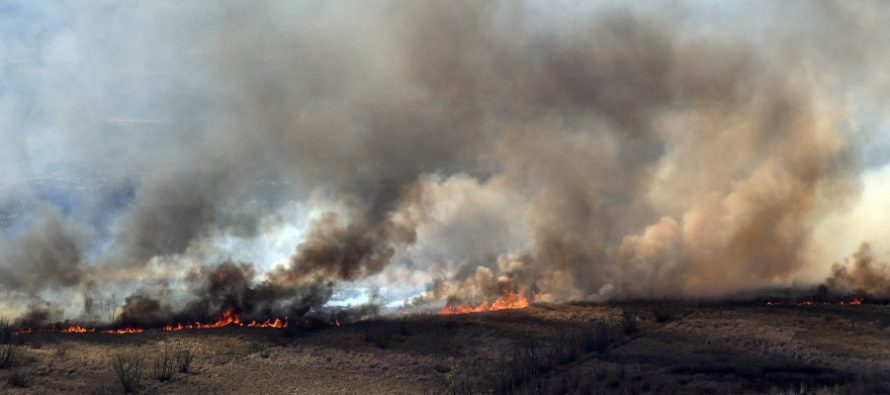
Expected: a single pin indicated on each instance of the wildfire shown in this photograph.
(124, 331)
(229, 318)
(77, 329)
(510, 300)
(810, 302)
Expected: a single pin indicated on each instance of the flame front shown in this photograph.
(230, 317)
(810, 302)
(123, 331)
(77, 329)
(510, 300)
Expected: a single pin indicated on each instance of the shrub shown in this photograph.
(164, 366)
(564, 350)
(5, 331)
(629, 322)
(20, 378)
(128, 369)
(184, 359)
(597, 339)
(9, 356)
(527, 362)
(457, 381)
(663, 313)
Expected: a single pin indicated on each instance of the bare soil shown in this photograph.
(541, 349)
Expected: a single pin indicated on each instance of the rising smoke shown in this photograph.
(468, 147)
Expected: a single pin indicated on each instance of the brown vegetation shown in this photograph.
(544, 349)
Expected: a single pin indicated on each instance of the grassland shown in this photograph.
(636, 348)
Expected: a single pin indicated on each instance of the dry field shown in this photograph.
(625, 349)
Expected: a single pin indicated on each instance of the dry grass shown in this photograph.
(6, 331)
(128, 370)
(629, 322)
(184, 358)
(549, 349)
(9, 356)
(20, 378)
(164, 366)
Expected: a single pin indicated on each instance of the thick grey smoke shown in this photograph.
(863, 276)
(48, 253)
(601, 153)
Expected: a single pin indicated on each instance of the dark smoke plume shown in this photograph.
(465, 148)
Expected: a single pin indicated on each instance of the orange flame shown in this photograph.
(809, 302)
(510, 300)
(77, 329)
(123, 331)
(229, 318)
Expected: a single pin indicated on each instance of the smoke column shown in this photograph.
(174, 159)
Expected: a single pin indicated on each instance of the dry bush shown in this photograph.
(457, 381)
(597, 339)
(164, 366)
(527, 362)
(6, 331)
(524, 370)
(128, 369)
(663, 313)
(20, 378)
(184, 358)
(565, 349)
(9, 356)
(629, 322)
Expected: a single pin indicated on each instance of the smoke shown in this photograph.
(457, 150)
(864, 276)
(48, 253)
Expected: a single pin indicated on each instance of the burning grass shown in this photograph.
(510, 300)
(229, 319)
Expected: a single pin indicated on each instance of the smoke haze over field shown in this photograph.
(179, 158)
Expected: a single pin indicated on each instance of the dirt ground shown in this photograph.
(575, 348)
